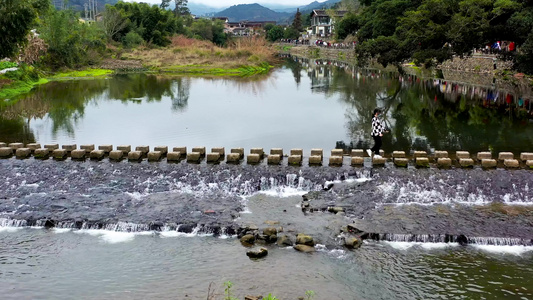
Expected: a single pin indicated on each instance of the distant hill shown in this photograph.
(79, 5)
(252, 12)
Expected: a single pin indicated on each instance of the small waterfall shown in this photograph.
(448, 238)
(12, 223)
(497, 241)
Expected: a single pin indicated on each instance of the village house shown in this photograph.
(322, 24)
(244, 28)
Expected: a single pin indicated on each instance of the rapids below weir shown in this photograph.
(99, 230)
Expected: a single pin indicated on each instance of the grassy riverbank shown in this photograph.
(244, 57)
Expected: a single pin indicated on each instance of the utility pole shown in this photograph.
(86, 6)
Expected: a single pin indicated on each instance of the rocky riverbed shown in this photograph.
(215, 198)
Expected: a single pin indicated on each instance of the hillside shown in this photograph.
(79, 5)
(251, 12)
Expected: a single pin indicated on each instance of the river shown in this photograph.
(102, 229)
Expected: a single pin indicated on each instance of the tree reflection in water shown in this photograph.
(425, 114)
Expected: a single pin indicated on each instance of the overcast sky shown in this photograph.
(227, 3)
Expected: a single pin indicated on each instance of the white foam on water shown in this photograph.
(9, 229)
(135, 195)
(31, 185)
(111, 237)
(427, 246)
(284, 192)
(514, 250)
(337, 253)
(61, 230)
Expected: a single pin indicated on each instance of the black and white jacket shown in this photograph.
(377, 127)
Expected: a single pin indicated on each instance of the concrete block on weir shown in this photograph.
(315, 160)
(194, 157)
(6, 152)
(219, 150)
(529, 163)
(116, 155)
(466, 162)
(78, 154)
(15, 146)
(41, 153)
(295, 160)
(213, 157)
(51, 147)
(444, 162)
(487, 163)
(135, 156)
(239, 151)
(200, 150)
(401, 162)
(297, 151)
(398, 154)
(154, 155)
(505, 155)
(422, 162)
(524, 156)
(378, 161)
(174, 156)
(274, 159)
(337, 152)
(441, 154)
(357, 152)
(33, 146)
(124, 148)
(233, 158)
(59, 154)
(317, 152)
(417, 154)
(97, 154)
(162, 149)
(277, 151)
(182, 150)
(144, 149)
(70, 147)
(3, 145)
(357, 161)
(336, 160)
(87, 148)
(23, 152)
(484, 155)
(511, 163)
(462, 154)
(253, 158)
(106, 148)
(258, 151)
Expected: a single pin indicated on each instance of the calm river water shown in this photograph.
(305, 104)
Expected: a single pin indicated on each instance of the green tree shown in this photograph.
(297, 22)
(16, 21)
(275, 33)
(181, 8)
(164, 4)
(346, 26)
(113, 22)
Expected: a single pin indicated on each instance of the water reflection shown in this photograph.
(426, 114)
(422, 113)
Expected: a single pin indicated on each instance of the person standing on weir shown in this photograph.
(377, 133)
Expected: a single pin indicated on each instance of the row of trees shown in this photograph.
(73, 42)
(276, 32)
(393, 31)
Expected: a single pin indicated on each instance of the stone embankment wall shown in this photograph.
(345, 55)
(337, 157)
(476, 64)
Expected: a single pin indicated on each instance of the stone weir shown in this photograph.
(277, 156)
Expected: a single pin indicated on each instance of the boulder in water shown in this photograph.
(284, 240)
(304, 248)
(248, 239)
(304, 239)
(270, 231)
(353, 242)
(257, 252)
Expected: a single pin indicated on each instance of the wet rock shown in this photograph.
(248, 297)
(257, 252)
(248, 239)
(284, 241)
(328, 187)
(304, 248)
(335, 209)
(353, 242)
(304, 239)
(462, 240)
(353, 229)
(270, 231)
(186, 228)
(270, 222)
